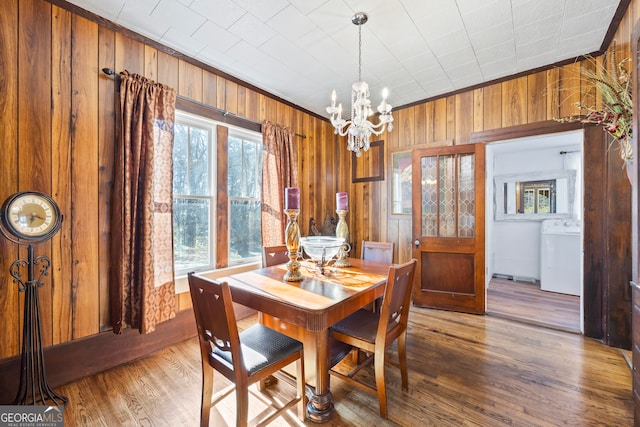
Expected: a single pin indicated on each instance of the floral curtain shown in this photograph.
(279, 170)
(142, 288)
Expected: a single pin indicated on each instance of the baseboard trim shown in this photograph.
(77, 359)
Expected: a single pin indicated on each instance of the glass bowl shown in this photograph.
(321, 249)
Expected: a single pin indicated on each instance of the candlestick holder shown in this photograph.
(342, 230)
(292, 233)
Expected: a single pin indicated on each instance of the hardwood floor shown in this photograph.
(463, 370)
(525, 302)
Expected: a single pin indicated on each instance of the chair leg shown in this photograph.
(402, 357)
(380, 384)
(207, 391)
(242, 404)
(301, 383)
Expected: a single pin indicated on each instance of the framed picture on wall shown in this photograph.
(400, 182)
(370, 165)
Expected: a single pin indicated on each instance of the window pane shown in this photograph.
(235, 167)
(447, 211)
(250, 157)
(180, 141)
(429, 179)
(199, 159)
(244, 235)
(191, 231)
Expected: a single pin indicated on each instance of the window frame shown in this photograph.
(254, 137)
(193, 120)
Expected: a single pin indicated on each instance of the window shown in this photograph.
(536, 196)
(245, 193)
(193, 196)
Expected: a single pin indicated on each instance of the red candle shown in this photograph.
(342, 201)
(292, 198)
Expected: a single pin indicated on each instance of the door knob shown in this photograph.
(416, 242)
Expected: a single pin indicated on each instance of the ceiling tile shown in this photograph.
(301, 49)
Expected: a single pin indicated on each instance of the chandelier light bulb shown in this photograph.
(359, 128)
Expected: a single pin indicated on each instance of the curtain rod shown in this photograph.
(225, 113)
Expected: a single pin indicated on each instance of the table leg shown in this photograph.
(320, 401)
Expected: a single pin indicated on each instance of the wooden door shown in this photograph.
(448, 227)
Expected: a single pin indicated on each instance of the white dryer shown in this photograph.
(561, 256)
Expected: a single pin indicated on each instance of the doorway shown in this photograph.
(516, 247)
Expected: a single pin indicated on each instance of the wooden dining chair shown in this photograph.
(274, 255)
(244, 358)
(377, 251)
(373, 333)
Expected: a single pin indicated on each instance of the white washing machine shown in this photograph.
(561, 256)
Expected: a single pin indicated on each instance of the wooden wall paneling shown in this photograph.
(190, 81)
(595, 157)
(34, 124)
(209, 88)
(439, 119)
(231, 100)
(85, 218)
(406, 127)
(536, 97)
(304, 156)
(282, 115)
(252, 106)
(314, 179)
(168, 70)
(107, 111)
(221, 93)
(151, 63)
(431, 121)
(569, 88)
(9, 301)
(514, 102)
(60, 166)
(553, 93)
(420, 132)
(492, 106)
(464, 117)
(331, 176)
(183, 301)
(618, 250)
(451, 118)
(271, 110)
(222, 199)
(129, 55)
(405, 241)
(242, 101)
(478, 110)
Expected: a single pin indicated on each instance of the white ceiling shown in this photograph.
(300, 50)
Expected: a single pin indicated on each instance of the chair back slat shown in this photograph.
(274, 255)
(397, 296)
(377, 251)
(215, 318)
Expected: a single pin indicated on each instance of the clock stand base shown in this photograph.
(34, 388)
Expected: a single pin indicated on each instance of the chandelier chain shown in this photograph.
(360, 52)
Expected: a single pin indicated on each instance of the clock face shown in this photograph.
(31, 215)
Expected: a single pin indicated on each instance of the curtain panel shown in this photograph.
(142, 288)
(279, 170)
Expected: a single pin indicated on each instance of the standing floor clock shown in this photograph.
(28, 218)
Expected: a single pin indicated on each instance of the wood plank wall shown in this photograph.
(58, 127)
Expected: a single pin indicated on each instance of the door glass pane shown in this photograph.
(447, 196)
(466, 196)
(429, 204)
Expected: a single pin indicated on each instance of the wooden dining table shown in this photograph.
(306, 309)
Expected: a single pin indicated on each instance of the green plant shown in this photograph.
(616, 113)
